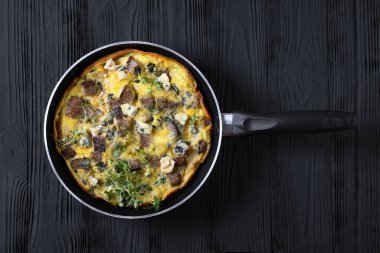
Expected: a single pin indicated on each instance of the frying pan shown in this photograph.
(227, 124)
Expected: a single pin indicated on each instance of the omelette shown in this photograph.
(133, 128)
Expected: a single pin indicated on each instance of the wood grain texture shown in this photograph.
(267, 193)
(368, 120)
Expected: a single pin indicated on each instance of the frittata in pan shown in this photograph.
(133, 128)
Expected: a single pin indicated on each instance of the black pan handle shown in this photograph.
(240, 123)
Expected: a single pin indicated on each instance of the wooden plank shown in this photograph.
(298, 80)
(56, 35)
(5, 115)
(15, 204)
(343, 97)
(303, 194)
(368, 53)
(241, 184)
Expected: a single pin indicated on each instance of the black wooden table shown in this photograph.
(268, 192)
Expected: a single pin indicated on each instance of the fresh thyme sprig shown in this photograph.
(143, 157)
(193, 120)
(125, 185)
(156, 203)
(152, 82)
(73, 139)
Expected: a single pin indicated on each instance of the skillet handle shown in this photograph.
(240, 123)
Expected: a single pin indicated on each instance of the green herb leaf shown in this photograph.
(118, 148)
(156, 203)
(160, 180)
(148, 91)
(71, 139)
(122, 165)
(124, 187)
(157, 84)
(101, 166)
(193, 120)
(77, 132)
(142, 154)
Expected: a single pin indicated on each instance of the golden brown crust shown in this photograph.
(58, 119)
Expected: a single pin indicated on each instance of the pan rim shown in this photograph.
(194, 68)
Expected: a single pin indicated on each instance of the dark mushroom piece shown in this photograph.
(89, 88)
(117, 112)
(127, 95)
(202, 146)
(132, 64)
(172, 105)
(81, 163)
(122, 126)
(154, 161)
(68, 152)
(145, 140)
(174, 178)
(147, 102)
(180, 160)
(99, 144)
(162, 103)
(197, 101)
(206, 122)
(96, 156)
(74, 107)
(134, 164)
(113, 102)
